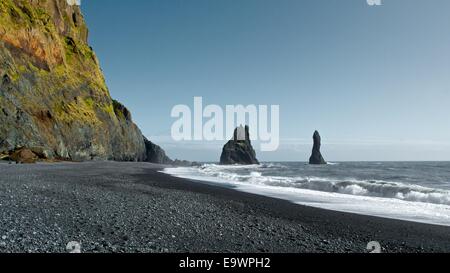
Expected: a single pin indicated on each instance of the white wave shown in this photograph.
(214, 167)
(374, 197)
(332, 163)
(375, 188)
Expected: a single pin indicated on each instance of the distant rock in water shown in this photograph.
(316, 157)
(239, 150)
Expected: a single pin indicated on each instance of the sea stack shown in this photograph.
(239, 150)
(316, 157)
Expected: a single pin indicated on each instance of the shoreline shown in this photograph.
(360, 195)
(133, 207)
(355, 223)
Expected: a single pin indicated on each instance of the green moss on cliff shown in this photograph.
(120, 110)
(79, 63)
(57, 88)
(76, 111)
(89, 102)
(109, 109)
(23, 14)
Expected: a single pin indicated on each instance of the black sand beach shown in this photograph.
(131, 207)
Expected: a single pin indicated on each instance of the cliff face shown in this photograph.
(156, 154)
(53, 96)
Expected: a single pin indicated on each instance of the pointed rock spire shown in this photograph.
(316, 157)
(239, 150)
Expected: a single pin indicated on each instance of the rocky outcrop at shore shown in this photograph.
(156, 154)
(239, 150)
(316, 157)
(52, 91)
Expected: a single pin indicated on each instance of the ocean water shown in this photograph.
(413, 191)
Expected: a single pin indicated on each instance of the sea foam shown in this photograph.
(372, 197)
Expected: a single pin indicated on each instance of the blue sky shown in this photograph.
(375, 81)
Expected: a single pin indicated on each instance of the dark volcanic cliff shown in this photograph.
(53, 96)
